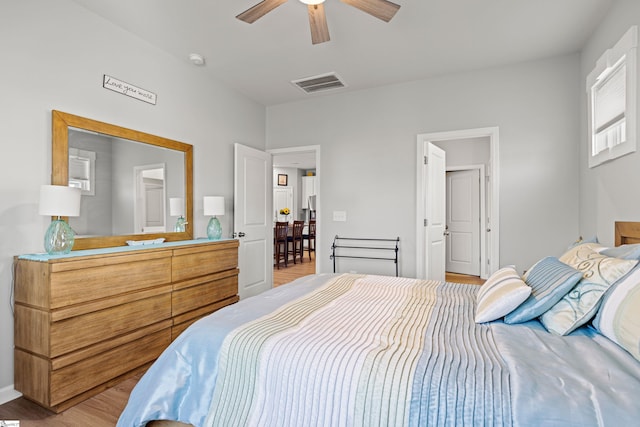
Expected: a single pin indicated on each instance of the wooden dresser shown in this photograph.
(86, 321)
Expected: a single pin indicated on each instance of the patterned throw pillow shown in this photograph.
(619, 317)
(576, 308)
(500, 295)
(550, 280)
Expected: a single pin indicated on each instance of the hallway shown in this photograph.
(293, 271)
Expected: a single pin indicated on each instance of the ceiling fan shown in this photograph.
(381, 9)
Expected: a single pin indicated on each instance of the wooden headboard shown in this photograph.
(627, 233)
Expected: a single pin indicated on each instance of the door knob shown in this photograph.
(239, 234)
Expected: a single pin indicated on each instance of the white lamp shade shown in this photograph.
(59, 200)
(176, 206)
(213, 205)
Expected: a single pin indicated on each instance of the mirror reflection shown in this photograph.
(130, 180)
(126, 185)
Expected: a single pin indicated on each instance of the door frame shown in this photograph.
(316, 150)
(483, 211)
(492, 228)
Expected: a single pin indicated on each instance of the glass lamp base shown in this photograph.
(180, 226)
(59, 238)
(214, 229)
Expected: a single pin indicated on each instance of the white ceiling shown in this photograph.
(425, 38)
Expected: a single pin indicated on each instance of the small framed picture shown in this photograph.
(283, 179)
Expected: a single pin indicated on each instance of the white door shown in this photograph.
(435, 185)
(154, 205)
(149, 203)
(463, 222)
(253, 219)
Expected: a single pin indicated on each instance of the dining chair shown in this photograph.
(297, 249)
(280, 243)
(311, 237)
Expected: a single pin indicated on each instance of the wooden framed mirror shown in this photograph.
(116, 165)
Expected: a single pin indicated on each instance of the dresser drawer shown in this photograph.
(75, 379)
(53, 333)
(106, 324)
(196, 262)
(78, 286)
(51, 387)
(204, 293)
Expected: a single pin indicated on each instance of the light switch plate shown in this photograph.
(340, 216)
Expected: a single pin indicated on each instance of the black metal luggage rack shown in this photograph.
(359, 245)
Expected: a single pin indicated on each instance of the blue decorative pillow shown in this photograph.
(550, 280)
(624, 252)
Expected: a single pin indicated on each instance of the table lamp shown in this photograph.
(176, 208)
(214, 205)
(58, 201)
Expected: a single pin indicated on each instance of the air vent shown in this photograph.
(319, 83)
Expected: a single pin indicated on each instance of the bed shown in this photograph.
(349, 350)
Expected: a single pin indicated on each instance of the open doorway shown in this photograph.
(472, 229)
(467, 159)
(296, 184)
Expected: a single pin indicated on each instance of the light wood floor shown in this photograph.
(463, 278)
(104, 409)
(293, 271)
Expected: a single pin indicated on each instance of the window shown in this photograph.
(82, 170)
(611, 88)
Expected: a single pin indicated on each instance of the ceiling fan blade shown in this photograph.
(381, 9)
(318, 23)
(259, 10)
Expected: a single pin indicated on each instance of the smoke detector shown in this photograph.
(196, 59)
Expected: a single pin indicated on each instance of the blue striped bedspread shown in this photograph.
(353, 350)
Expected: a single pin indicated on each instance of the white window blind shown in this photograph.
(609, 100)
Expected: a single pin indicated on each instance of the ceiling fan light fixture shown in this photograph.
(381, 9)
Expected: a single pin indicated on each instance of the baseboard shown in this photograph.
(8, 393)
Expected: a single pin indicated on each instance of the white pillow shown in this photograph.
(502, 293)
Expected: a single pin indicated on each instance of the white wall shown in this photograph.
(54, 54)
(608, 192)
(465, 152)
(368, 141)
